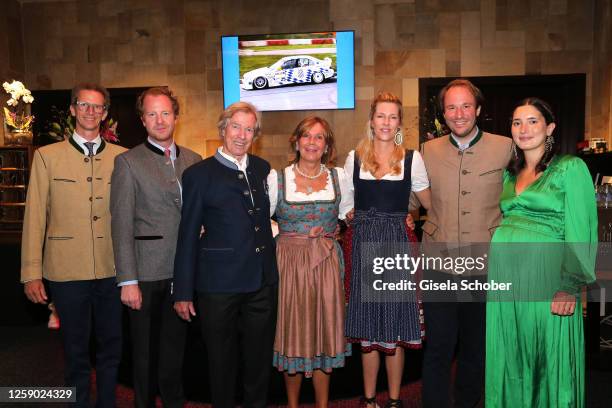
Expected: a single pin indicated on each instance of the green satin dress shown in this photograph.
(546, 243)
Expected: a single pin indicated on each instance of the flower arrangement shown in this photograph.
(62, 125)
(433, 120)
(108, 131)
(17, 117)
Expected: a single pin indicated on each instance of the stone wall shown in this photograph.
(176, 43)
(11, 49)
(11, 41)
(601, 114)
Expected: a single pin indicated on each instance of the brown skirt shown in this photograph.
(311, 306)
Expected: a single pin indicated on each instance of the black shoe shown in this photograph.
(364, 402)
(394, 403)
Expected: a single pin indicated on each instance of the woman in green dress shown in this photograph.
(545, 247)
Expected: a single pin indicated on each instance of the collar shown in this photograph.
(240, 164)
(467, 145)
(158, 149)
(78, 142)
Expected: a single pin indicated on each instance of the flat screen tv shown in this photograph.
(281, 72)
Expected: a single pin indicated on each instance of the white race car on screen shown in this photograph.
(297, 69)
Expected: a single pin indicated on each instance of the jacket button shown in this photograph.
(95, 218)
(176, 200)
(256, 249)
(256, 229)
(246, 192)
(464, 172)
(240, 176)
(90, 199)
(250, 212)
(86, 160)
(465, 192)
(88, 178)
(460, 152)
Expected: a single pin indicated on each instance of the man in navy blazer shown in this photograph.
(232, 266)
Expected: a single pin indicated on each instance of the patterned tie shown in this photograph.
(167, 153)
(90, 146)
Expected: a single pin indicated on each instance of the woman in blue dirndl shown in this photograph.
(383, 175)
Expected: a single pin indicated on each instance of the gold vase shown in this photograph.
(18, 137)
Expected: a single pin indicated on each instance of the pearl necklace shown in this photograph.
(321, 169)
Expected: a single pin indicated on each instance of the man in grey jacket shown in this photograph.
(146, 210)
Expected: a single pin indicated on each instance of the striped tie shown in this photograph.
(90, 146)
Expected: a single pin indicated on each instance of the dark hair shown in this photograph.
(157, 91)
(304, 126)
(461, 82)
(89, 86)
(517, 163)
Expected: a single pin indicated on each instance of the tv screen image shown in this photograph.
(305, 71)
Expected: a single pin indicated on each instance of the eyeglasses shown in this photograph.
(84, 107)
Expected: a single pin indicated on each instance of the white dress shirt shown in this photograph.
(464, 143)
(80, 140)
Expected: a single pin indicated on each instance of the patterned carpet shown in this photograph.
(32, 356)
(410, 395)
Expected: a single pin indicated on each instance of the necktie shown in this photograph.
(167, 153)
(90, 146)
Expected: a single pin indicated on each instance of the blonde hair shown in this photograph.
(234, 108)
(365, 147)
(157, 91)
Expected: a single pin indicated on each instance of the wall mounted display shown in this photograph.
(279, 72)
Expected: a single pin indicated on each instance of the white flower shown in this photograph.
(18, 86)
(16, 89)
(18, 92)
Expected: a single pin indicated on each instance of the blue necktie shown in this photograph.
(90, 146)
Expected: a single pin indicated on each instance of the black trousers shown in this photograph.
(158, 345)
(447, 325)
(233, 325)
(82, 305)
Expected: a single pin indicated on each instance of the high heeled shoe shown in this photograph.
(365, 402)
(394, 403)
